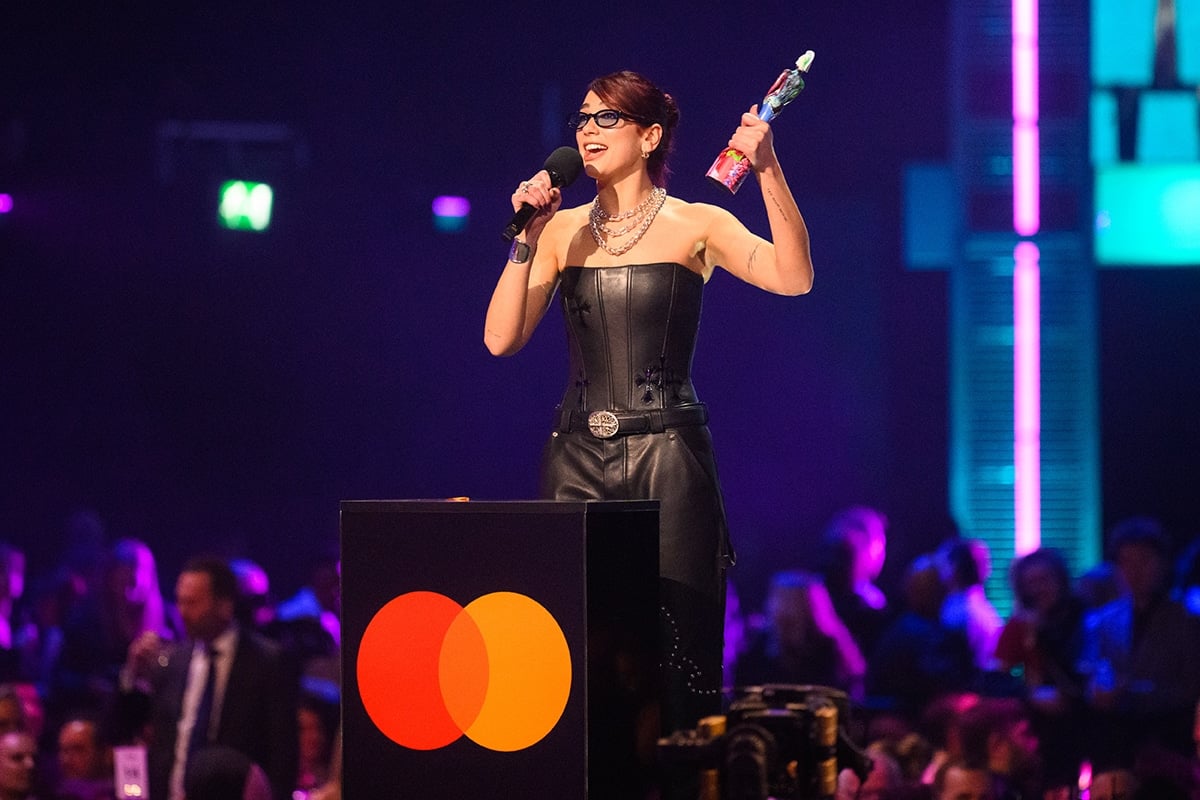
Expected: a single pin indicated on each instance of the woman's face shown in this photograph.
(1039, 590)
(616, 151)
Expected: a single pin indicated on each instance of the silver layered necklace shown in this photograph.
(639, 219)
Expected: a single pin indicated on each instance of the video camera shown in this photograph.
(778, 741)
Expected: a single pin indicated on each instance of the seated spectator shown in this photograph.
(854, 549)
(254, 610)
(885, 780)
(317, 722)
(939, 724)
(968, 564)
(1044, 636)
(996, 733)
(18, 765)
(1187, 577)
(1044, 639)
(99, 632)
(85, 761)
(15, 630)
(222, 773)
(804, 641)
(12, 710)
(321, 599)
(918, 658)
(1098, 586)
(307, 627)
(1140, 650)
(1114, 784)
(961, 780)
(736, 636)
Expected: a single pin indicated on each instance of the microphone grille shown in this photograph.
(564, 166)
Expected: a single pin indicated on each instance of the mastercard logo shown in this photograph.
(497, 671)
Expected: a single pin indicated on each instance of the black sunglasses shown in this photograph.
(606, 118)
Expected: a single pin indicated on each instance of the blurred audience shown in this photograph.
(1098, 586)
(17, 634)
(952, 703)
(737, 634)
(918, 658)
(1139, 652)
(255, 610)
(968, 563)
(885, 780)
(961, 780)
(1114, 784)
(97, 635)
(218, 772)
(997, 733)
(1187, 577)
(804, 641)
(317, 721)
(12, 709)
(1042, 643)
(85, 761)
(223, 685)
(18, 765)
(854, 549)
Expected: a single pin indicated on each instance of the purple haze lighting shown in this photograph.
(6, 203)
(1027, 366)
(451, 206)
(1027, 396)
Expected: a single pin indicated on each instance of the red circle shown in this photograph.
(398, 670)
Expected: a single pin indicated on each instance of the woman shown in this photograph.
(805, 641)
(632, 265)
(1042, 642)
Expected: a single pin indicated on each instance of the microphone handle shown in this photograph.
(519, 220)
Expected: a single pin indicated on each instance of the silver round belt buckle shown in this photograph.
(603, 424)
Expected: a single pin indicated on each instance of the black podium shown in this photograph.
(442, 600)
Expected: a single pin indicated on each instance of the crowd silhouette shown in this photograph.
(1089, 688)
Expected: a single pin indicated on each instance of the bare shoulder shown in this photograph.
(703, 214)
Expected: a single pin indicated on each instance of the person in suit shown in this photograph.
(223, 685)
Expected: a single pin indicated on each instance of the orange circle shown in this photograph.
(430, 670)
(530, 672)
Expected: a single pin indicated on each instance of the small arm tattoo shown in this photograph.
(753, 256)
(778, 205)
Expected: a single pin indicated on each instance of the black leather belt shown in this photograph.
(607, 424)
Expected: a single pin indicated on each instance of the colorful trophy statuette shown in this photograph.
(732, 166)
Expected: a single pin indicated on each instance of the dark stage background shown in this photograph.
(201, 388)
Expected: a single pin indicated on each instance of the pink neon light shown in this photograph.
(6, 203)
(1026, 155)
(1027, 209)
(1027, 395)
(1025, 81)
(1027, 367)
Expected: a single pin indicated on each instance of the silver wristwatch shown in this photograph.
(519, 252)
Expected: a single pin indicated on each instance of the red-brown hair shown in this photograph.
(635, 95)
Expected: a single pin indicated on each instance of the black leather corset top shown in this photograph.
(631, 333)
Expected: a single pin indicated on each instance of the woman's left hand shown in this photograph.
(754, 139)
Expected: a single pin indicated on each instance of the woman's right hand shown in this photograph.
(539, 193)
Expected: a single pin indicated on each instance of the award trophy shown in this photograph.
(732, 166)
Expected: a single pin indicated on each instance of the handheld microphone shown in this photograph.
(564, 166)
